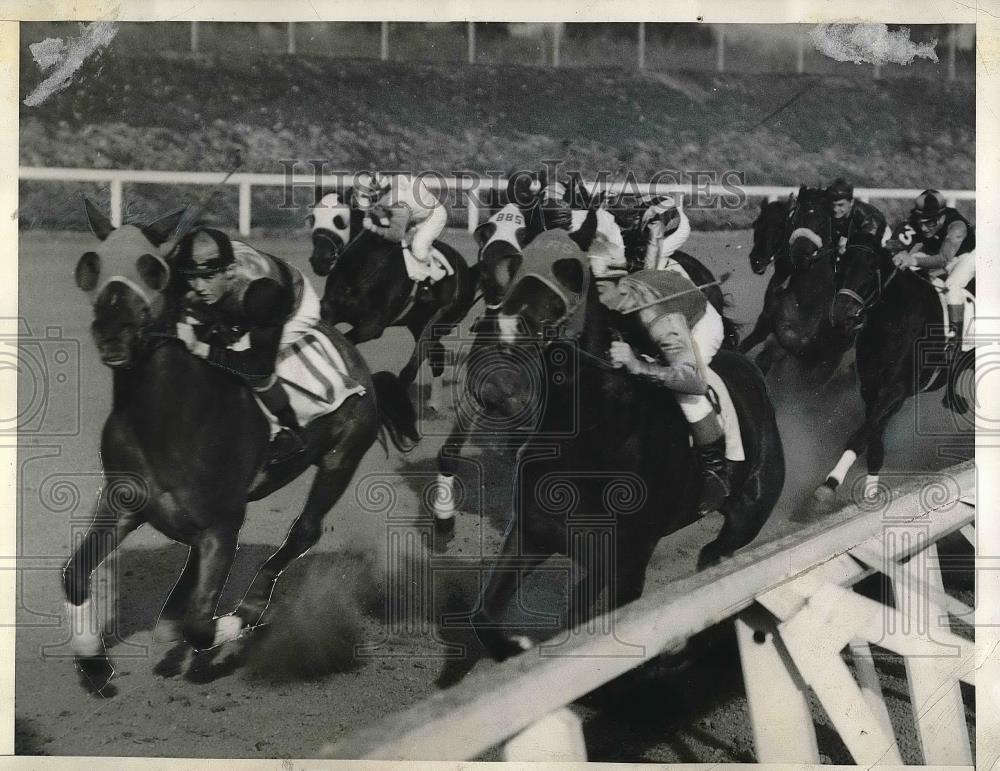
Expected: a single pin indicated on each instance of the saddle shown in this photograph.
(438, 268)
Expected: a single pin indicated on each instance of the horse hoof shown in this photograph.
(167, 631)
(825, 495)
(95, 675)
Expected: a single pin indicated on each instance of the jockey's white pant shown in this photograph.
(706, 338)
(423, 235)
(306, 316)
(669, 244)
(961, 270)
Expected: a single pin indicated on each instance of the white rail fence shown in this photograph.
(463, 188)
(798, 625)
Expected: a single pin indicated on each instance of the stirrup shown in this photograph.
(286, 445)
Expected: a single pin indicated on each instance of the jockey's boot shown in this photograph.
(289, 441)
(715, 473)
(710, 444)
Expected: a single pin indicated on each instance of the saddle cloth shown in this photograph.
(315, 376)
(438, 268)
(719, 395)
(968, 320)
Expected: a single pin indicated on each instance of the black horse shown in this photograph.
(610, 462)
(795, 319)
(900, 348)
(368, 287)
(186, 446)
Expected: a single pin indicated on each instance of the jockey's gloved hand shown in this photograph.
(622, 355)
(379, 226)
(185, 333)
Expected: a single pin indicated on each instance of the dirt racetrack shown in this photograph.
(252, 701)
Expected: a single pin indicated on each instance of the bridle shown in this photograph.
(873, 298)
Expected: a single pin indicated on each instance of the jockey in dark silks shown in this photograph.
(851, 217)
(243, 305)
(687, 332)
(937, 237)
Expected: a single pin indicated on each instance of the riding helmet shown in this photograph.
(840, 190)
(930, 205)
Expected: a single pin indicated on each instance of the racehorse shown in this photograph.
(186, 446)
(795, 318)
(368, 287)
(501, 396)
(610, 461)
(899, 351)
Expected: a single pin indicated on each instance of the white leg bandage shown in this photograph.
(843, 466)
(85, 628)
(444, 497)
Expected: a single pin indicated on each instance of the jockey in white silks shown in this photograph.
(402, 208)
(607, 250)
(667, 230)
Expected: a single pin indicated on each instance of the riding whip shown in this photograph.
(192, 215)
(718, 282)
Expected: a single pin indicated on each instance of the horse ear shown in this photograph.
(570, 273)
(483, 233)
(802, 190)
(88, 271)
(99, 224)
(310, 220)
(318, 195)
(584, 235)
(159, 231)
(153, 272)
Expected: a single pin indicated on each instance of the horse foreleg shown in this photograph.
(216, 550)
(761, 330)
(772, 352)
(327, 487)
(101, 539)
(443, 502)
(423, 338)
(500, 587)
(168, 625)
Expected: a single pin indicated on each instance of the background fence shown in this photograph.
(471, 201)
(745, 48)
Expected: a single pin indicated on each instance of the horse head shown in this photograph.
(330, 222)
(768, 234)
(125, 278)
(865, 268)
(809, 225)
(544, 302)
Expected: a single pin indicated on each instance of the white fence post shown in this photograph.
(720, 48)
(800, 54)
(194, 37)
(642, 45)
(116, 202)
(472, 42)
(384, 53)
(556, 41)
(291, 37)
(244, 208)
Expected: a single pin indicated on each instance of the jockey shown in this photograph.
(851, 216)
(606, 250)
(937, 237)
(687, 332)
(401, 208)
(667, 229)
(245, 305)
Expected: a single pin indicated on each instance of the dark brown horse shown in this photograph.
(367, 286)
(192, 445)
(609, 468)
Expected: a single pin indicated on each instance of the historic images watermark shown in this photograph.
(702, 189)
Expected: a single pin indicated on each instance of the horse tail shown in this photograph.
(396, 414)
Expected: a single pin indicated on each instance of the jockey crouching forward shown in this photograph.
(401, 208)
(667, 229)
(244, 306)
(937, 237)
(607, 247)
(688, 332)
